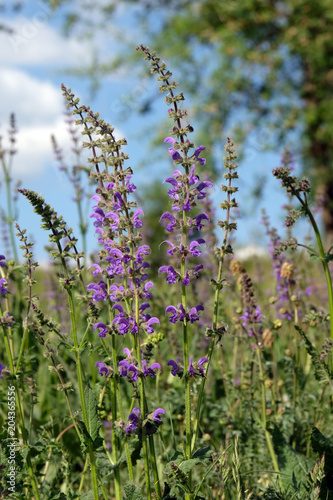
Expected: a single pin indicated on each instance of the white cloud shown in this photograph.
(34, 42)
(34, 150)
(39, 109)
(33, 100)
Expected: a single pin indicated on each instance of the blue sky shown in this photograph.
(34, 61)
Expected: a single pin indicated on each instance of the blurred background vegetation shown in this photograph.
(263, 66)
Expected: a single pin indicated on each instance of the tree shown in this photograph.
(262, 65)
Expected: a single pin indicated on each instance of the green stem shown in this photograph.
(115, 443)
(264, 418)
(323, 261)
(10, 219)
(19, 408)
(81, 389)
(187, 386)
(141, 386)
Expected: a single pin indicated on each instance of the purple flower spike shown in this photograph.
(171, 218)
(174, 316)
(151, 321)
(103, 328)
(156, 414)
(202, 361)
(175, 367)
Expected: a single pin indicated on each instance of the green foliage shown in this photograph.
(294, 467)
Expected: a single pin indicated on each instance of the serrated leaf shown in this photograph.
(88, 496)
(60, 496)
(293, 466)
(167, 494)
(187, 465)
(203, 453)
(132, 492)
(93, 420)
(322, 372)
(320, 444)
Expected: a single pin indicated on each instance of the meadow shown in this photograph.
(199, 377)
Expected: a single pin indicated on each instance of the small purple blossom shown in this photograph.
(193, 315)
(2, 257)
(1, 365)
(156, 414)
(171, 218)
(186, 280)
(125, 369)
(150, 371)
(103, 329)
(151, 321)
(3, 284)
(197, 151)
(97, 270)
(133, 418)
(202, 186)
(198, 221)
(193, 178)
(103, 369)
(194, 248)
(172, 275)
(175, 367)
(174, 314)
(136, 221)
(201, 362)
(99, 290)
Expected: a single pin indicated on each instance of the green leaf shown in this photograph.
(322, 372)
(168, 494)
(293, 466)
(203, 453)
(132, 492)
(93, 420)
(320, 444)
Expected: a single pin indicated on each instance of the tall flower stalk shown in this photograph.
(301, 189)
(124, 283)
(185, 193)
(6, 158)
(230, 203)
